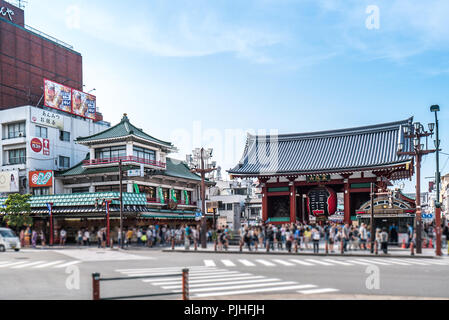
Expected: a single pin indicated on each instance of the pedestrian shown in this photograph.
(62, 237)
(345, 232)
(42, 237)
(384, 240)
(33, 238)
(332, 232)
(99, 238)
(27, 236)
(103, 238)
(149, 235)
(378, 238)
(255, 237)
(288, 239)
(363, 236)
(139, 236)
(22, 237)
(394, 234)
(316, 240)
(187, 233)
(129, 236)
(86, 238)
(79, 237)
(247, 239)
(279, 238)
(143, 238)
(410, 233)
(307, 237)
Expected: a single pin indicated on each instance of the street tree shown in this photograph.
(16, 210)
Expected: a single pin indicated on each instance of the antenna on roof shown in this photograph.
(18, 3)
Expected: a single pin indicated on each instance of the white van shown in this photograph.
(8, 240)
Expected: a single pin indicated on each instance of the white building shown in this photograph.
(40, 141)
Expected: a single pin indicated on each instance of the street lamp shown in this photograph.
(435, 108)
(415, 132)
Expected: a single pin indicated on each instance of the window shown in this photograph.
(41, 191)
(142, 153)
(17, 156)
(41, 132)
(64, 162)
(16, 130)
(110, 152)
(229, 206)
(64, 136)
(80, 190)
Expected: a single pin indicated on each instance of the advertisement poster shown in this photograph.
(39, 145)
(9, 181)
(83, 104)
(57, 96)
(40, 178)
(47, 118)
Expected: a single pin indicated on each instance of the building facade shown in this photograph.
(36, 141)
(302, 175)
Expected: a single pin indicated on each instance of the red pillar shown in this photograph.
(292, 203)
(264, 204)
(347, 204)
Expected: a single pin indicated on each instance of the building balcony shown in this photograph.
(125, 160)
(157, 201)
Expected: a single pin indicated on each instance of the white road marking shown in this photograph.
(48, 264)
(312, 291)
(247, 263)
(166, 269)
(338, 262)
(222, 283)
(227, 293)
(228, 263)
(320, 262)
(359, 262)
(413, 261)
(266, 263)
(4, 262)
(215, 289)
(27, 264)
(208, 280)
(372, 261)
(285, 263)
(198, 278)
(209, 263)
(398, 262)
(67, 264)
(12, 264)
(301, 262)
(137, 274)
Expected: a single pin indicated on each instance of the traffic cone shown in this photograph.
(403, 244)
(430, 243)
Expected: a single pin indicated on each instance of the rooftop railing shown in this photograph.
(44, 35)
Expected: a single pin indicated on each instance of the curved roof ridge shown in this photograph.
(338, 132)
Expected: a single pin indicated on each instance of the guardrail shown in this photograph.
(185, 286)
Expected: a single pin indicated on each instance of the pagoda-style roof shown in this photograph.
(124, 129)
(372, 147)
(175, 168)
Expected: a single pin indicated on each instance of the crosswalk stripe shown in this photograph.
(338, 262)
(179, 272)
(237, 277)
(209, 263)
(312, 291)
(301, 262)
(413, 261)
(13, 264)
(398, 262)
(285, 263)
(247, 263)
(165, 269)
(48, 264)
(4, 262)
(372, 261)
(227, 275)
(320, 262)
(236, 292)
(434, 262)
(359, 262)
(67, 264)
(221, 283)
(228, 263)
(258, 285)
(266, 263)
(27, 265)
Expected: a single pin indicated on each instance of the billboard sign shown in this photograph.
(83, 104)
(9, 181)
(39, 145)
(40, 178)
(47, 118)
(57, 96)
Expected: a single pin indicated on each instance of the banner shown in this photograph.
(83, 104)
(40, 145)
(173, 195)
(57, 96)
(9, 181)
(40, 178)
(186, 196)
(47, 118)
(161, 195)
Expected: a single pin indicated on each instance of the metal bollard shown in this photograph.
(411, 248)
(326, 247)
(342, 251)
(376, 248)
(185, 284)
(173, 243)
(95, 286)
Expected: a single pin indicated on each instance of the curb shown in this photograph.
(306, 254)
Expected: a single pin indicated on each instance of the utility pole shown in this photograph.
(202, 170)
(414, 133)
(436, 108)
(121, 202)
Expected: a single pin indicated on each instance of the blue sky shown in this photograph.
(204, 72)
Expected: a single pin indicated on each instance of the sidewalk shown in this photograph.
(392, 252)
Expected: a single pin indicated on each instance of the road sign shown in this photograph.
(133, 173)
(198, 216)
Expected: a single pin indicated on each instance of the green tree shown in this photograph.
(17, 210)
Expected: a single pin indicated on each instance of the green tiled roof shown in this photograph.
(175, 168)
(123, 129)
(84, 199)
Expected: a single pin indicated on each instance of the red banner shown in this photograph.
(40, 178)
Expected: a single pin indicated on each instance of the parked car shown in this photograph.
(8, 240)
